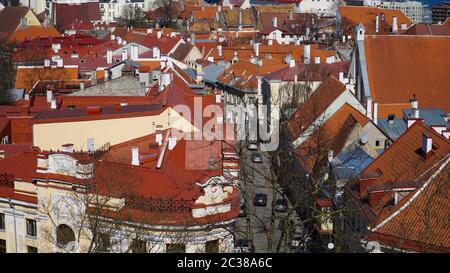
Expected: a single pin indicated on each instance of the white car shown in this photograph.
(252, 146)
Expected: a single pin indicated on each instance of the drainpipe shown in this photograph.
(15, 226)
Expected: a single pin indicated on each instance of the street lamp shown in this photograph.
(15, 226)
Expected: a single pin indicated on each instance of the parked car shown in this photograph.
(260, 200)
(256, 158)
(252, 146)
(296, 241)
(281, 205)
(242, 245)
(243, 212)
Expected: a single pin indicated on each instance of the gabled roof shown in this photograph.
(308, 72)
(400, 66)
(182, 52)
(428, 29)
(32, 32)
(67, 14)
(10, 18)
(366, 16)
(315, 105)
(330, 135)
(419, 222)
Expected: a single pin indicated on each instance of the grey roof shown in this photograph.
(431, 117)
(123, 86)
(395, 129)
(350, 162)
(210, 72)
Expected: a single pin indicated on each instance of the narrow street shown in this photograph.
(257, 178)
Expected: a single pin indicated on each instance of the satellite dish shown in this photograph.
(364, 138)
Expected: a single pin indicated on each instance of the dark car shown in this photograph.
(243, 212)
(281, 205)
(256, 158)
(242, 245)
(260, 200)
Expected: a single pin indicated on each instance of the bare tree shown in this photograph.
(132, 16)
(166, 11)
(7, 73)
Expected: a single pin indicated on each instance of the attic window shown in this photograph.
(82, 61)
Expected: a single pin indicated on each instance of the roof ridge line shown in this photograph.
(418, 192)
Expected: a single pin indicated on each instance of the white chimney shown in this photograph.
(156, 52)
(119, 40)
(394, 24)
(134, 50)
(330, 155)
(59, 62)
(317, 60)
(172, 142)
(274, 22)
(414, 103)
(81, 85)
(416, 113)
(53, 104)
(149, 30)
(159, 34)
(158, 137)
(369, 107)
(343, 38)
(124, 54)
(377, 19)
(330, 59)
(219, 50)
(291, 63)
(256, 47)
(46, 63)
(375, 112)
(49, 95)
(109, 56)
(427, 144)
(135, 156)
(341, 77)
(113, 37)
(218, 98)
(68, 148)
(307, 53)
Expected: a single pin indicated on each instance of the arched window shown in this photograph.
(64, 235)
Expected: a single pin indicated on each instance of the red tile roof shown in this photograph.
(419, 222)
(67, 14)
(402, 65)
(366, 16)
(315, 105)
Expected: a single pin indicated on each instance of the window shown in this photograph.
(175, 248)
(64, 235)
(2, 246)
(31, 227)
(212, 246)
(139, 246)
(377, 143)
(32, 249)
(2, 221)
